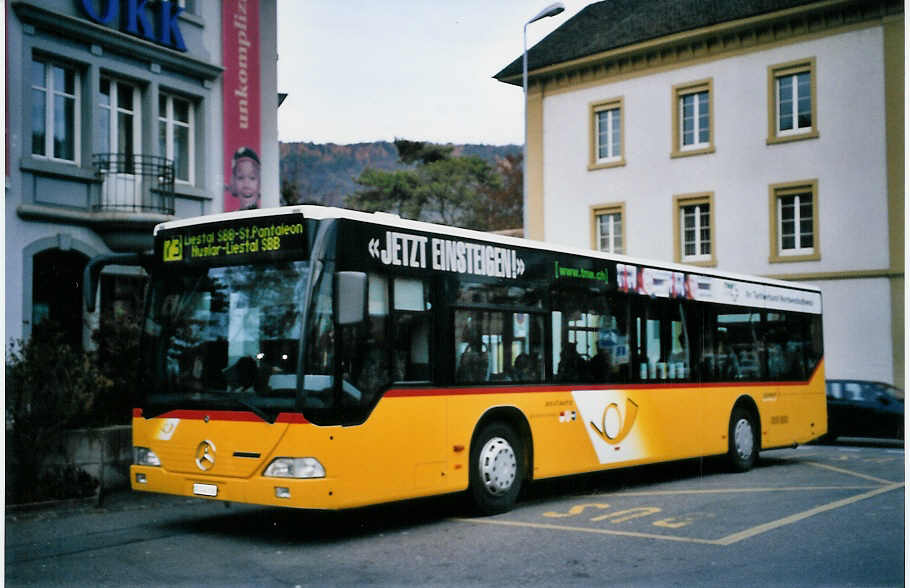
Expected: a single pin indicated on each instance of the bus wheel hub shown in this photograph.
(498, 466)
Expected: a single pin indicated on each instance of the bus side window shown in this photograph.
(472, 353)
(366, 346)
(662, 345)
(498, 345)
(741, 344)
(590, 335)
(411, 331)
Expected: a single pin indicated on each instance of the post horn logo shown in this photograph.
(205, 456)
(613, 427)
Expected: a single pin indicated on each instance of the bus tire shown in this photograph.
(743, 438)
(496, 469)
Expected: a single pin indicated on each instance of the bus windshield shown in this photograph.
(227, 338)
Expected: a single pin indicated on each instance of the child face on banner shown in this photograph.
(245, 182)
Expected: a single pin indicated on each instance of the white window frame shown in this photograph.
(170, 122)
(697, 212)
(798, 200)
(794, 100)
(50, 92)
(701, 109)
(792, 71)
(609, 217)
(697, 115)
(608, 113)
(113, 111)
(699, 205)
(613, 133)
(802, 192)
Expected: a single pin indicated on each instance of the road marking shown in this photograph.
(738, 490)
(552, 527)
(759, 529)
(723, 541)
(883, 486)
(850, 472)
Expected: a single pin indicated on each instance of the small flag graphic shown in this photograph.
(567, 416)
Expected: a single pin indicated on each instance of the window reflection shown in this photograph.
(229, 330)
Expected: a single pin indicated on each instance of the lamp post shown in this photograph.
(551, 10)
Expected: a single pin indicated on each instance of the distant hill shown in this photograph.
(325, 172)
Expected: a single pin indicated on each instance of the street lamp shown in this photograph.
(551, 10)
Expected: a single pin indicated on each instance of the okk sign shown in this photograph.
(152, 20)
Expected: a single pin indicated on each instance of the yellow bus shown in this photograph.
(321, 358)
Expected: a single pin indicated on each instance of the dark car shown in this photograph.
(860, 408)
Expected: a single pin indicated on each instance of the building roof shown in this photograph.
(612, 24)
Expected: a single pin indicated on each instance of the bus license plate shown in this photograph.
(205, 489)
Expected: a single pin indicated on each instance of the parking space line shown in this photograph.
(764, 528)
(551, 527)
(738, 490)
(850, 473)
(723, 541)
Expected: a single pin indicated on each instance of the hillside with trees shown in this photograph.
(340, 175)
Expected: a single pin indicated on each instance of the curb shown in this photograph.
(94, 500)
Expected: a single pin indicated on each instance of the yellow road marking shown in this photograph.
(736, 490)
(850, 473)
(887, 486)
(723, 541)
(587, 530)
(759, 529)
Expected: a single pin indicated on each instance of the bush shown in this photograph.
(65, 482)
(50, 387)
(117, 358)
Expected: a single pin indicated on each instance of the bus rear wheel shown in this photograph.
(743, 440)
(496, 469)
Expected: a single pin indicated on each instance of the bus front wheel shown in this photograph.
(743, 436)
(496, 471)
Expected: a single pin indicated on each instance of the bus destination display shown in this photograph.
(228, 242)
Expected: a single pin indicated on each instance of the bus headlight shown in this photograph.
(145, 456)
(295, 467)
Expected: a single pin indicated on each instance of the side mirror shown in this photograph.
(92, 272)
(350, 297)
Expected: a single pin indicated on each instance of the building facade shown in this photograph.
(763, 138)
(120, 115)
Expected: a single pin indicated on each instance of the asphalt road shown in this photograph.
(820, 515)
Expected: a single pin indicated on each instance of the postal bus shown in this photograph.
(322, 358)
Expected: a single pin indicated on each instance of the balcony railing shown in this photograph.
(134, 183)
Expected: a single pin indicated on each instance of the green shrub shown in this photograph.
(117, 358)
(50, 387)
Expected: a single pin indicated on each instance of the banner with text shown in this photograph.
(242, 126)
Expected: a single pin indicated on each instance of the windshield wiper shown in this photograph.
(256, 409)
(209, 398)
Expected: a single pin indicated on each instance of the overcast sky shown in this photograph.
(370, 70)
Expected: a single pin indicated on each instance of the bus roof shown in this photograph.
(396, 222)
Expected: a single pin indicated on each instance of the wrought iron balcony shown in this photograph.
(134, 183)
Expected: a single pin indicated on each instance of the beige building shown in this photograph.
(759, 137)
